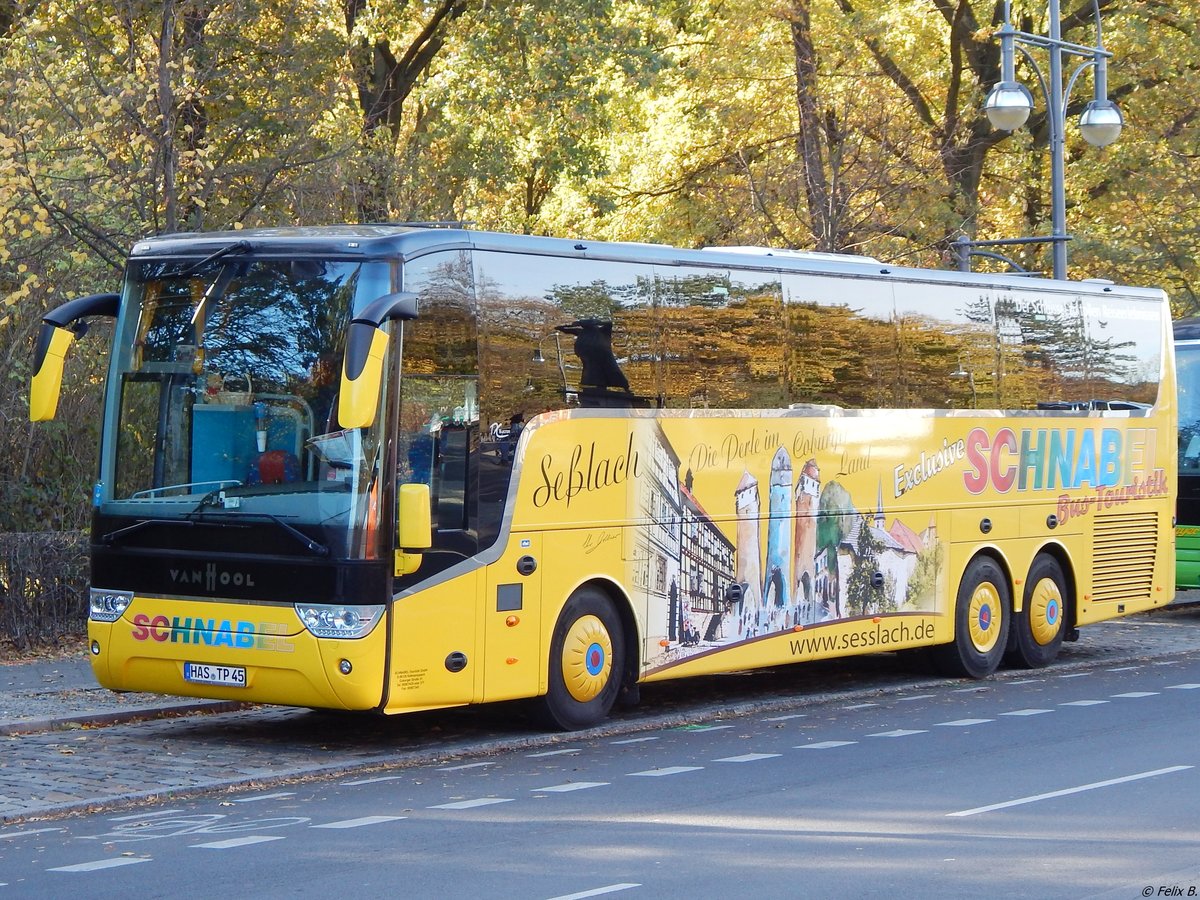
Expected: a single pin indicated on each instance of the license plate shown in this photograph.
(206, 673)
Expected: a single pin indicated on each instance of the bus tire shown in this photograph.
(1038, 629)
(981, 620)
(587, 659)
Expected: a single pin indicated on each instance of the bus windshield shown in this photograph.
(222, 398)
(1187, 364)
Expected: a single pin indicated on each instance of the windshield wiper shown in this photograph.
(312, 546)
(235, 247)
(111, 538)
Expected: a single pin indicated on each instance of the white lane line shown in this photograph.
(635, 740)
(239, 842)
(860, 706)
(1026, 712)
(825, 745)
(98, 864)
(748, 757)
(1083, 703)
(17, 834)
(596, 892)
(471, 804)
(149, 815)
(668, 770)
(899, 732)
(1182, 687)
(562, 752)
(1025, 681)
(359, 822)
(1074, 675)
(1067, 791)
(785, 718)
(277, 796)
(963, 723)
(371, 780)
(694, 728)
(1124, 669)
(571, 786)
(1133, 695)
(916, 697)
(479, 765)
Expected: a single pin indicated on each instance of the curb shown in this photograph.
(119, 717)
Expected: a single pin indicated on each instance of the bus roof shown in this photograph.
(409, 240)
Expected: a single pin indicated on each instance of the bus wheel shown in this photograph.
(1038, 629)
(587, 657)
(981, 614)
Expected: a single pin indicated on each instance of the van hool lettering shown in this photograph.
(212, 632)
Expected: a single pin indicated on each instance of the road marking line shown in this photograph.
(1133, 695)
(571, 786)
(1182, 687)
(101, 864)
(465, 766)
(917, 697)
(748, 757)
(1067, 791)
(702, 727)
(1083, 703)
(860, 706)
(277, 796)
(635, 740)
(1026, 712)
(825, 745)
(785, 718)
(1124, 669)
(554, 752)
(1026, 681)
(596, 892)
(149, 815)
(240, 842)
(371, 780)
(17, 834)
(899, 732)
(669, 770)
(471, 804)
(1074, 675)
(364, 820)
(962, 723)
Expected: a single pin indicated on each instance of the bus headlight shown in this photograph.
(337, 621)
(107, 606)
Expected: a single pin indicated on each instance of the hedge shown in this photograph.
(43, 586)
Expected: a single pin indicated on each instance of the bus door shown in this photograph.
(513, 663)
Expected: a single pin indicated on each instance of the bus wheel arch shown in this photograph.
(592, 656)
(1047, 613)
(982, 615)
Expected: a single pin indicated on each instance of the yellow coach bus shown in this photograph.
(397, 467)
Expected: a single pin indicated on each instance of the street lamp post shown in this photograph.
(1010, 102)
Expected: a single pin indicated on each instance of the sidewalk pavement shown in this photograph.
(49, 694)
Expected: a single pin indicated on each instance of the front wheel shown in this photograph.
(1038, 629)
(587, 659)
(981, 614)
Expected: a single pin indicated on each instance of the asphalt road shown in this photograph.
(1062, 783)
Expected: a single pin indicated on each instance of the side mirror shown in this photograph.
(60, 327)
(415, 527)
(366, 349)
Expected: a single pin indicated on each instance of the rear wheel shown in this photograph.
(1038, 629)
(587, 658)
(981, 621)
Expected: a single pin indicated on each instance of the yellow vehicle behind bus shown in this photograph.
(397, 468)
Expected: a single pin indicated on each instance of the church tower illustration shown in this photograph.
(808, 504)
(777, 588)
(749, 569)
